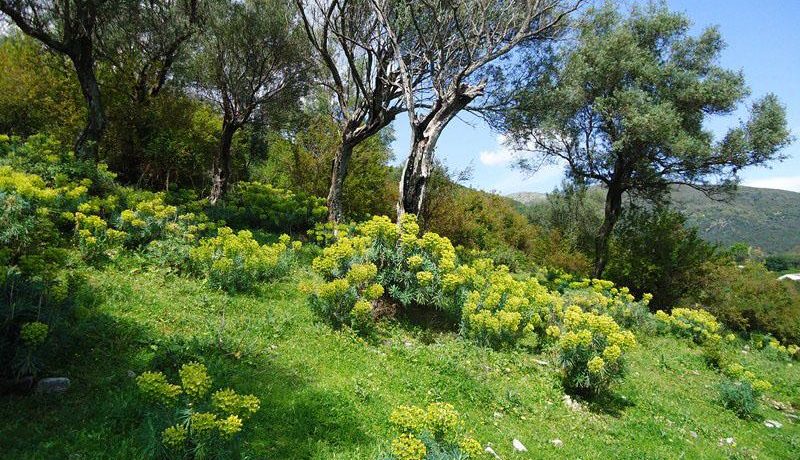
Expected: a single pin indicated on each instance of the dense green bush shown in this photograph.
(236, 261)
(750, 299)
(252, 205)
(590, 350)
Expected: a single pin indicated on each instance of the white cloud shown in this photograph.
(501, 156)
(791, 183)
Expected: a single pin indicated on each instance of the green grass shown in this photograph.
(327, 394)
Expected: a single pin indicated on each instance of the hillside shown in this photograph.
(327, 394)
(763, 218)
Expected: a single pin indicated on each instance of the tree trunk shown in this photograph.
(414, 180)
(88, 141)
(338, 173)
(612, 211)
(221, 168)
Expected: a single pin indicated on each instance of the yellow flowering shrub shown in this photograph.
(590, 350)
(603, 297)
(34, 333)
(428, 431)
(147, 220)
(95, 240)
(210, 424)
(236, 261)
(699, 325)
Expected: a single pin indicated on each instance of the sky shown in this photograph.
(763, 40)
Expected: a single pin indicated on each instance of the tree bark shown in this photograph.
(341, 160)
(221, 168)
(414, 180)
(87, 143)
(612, 211)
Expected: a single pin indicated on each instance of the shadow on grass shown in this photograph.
(608, 403)
(102, 415)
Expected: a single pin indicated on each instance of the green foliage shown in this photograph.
(738, 396)
(252, 205)
(590, 350)
(696, 324)
(653, 251)
(196, 425)
(236, 261)
(433, 433)
(750, 298)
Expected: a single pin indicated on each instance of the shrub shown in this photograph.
(591, 350)
(435, 432)
(262, 206)
(95, 241)
(236, 261)
(603, 297)
(738, 396)
(751, 299)
(147, 221)
(204, 424)
(699, 325)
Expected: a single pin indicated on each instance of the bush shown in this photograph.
(699, 325)
(738, 396)
(147, 221)
(435, 432)
(235, 262)
(95, 241)
(261, 206)
(751, 299)
(602, 297)
(206, 423)
(590, 350)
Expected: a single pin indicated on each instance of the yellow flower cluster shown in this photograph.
(195, 379)
(228, 401)
(698, 324)
(229, 426)
(34, 333)
(439, 422)
(408, 447)
(362, 273)
(155, 386)
(94, 237)
(203, 423)
(174, 437)
(737, 372)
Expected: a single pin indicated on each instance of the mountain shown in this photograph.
(527, 197)
(765, 218)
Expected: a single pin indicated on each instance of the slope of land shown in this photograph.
(765, 218)
(326, 394)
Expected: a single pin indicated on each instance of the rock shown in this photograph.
(52, 385)
(557, 442)
(518, 446)
(497, 414)
(693, 434)
(727, 442)
(773, 424)
(131, 374)
(793, 416)
(571, 403)
(491, 452)
(541, 362)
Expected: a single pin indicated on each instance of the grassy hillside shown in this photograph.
(326, 394)
(763, 218)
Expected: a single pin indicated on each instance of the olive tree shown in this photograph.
(251, 57)
(625, 106)
(450, 47)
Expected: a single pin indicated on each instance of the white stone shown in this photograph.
(491, 451)
(557, 442)
(773, 424)
(518, 446)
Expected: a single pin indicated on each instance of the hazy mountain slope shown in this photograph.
(764, 218)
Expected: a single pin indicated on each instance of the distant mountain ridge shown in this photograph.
(765, 218)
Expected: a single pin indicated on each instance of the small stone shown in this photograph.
(693, 434)
(131, 374)
(793, 416)
(518, 446)
(557, 442)
(727, 442)
(541, 362)
(773, 424)
(491, 452)
(497, 415)
(571, 403)
(52, 385)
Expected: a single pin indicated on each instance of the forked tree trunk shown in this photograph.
(221, 168)
(414, 180)
(341, 160)
(89, 139)
(612, 211)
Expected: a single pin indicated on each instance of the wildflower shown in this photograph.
(471, 447)
(408, 447)
(229, 426)
(34, 333)
(174, 436)
(408, 419)
(373, 292)
(195, 379)
(203, 422)
(155, 386)
(441, 418)
(596, 365)
(424, 277)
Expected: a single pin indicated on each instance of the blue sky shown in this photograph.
(763, 40)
